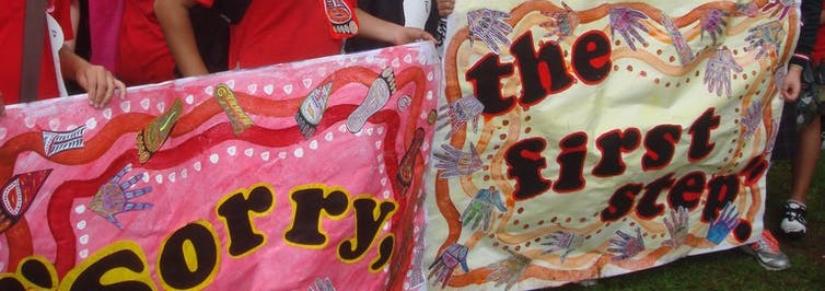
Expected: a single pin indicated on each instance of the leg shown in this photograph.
(804, 162)
(793, 222)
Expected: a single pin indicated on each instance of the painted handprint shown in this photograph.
(750, 9)
(718, 72)
(561, 24)
(416, 277)
(779, 7)
(682, 48)
(627, 22)
(454, 163)
(765, 39)
(626, 246)
(464, 110)
(509, 271)
(677, 227)
(490, 27)
(752, 118)
(114, 197)
(480, 210)
(771, 142)
(322, 284)
(724, 224)
(566, 242)
(444, 266)
(713, 23)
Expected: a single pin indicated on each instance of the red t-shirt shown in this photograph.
(278, 31)
(13, 17)
(818, 54)
(143, 56)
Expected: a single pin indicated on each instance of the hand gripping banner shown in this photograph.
(303, 176)
(586, 139)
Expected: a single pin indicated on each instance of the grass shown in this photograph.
(735, 270)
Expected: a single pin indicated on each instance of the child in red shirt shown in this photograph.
(805, 82)
(272, 32)
(142, 54)
(97, 81)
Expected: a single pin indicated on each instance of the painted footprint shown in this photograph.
(312, 110)
(380, 91)
(152, 137)
(17, 195)
(55, 142)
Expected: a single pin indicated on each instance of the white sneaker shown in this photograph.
(793, 221)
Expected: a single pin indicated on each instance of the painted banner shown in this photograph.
(589, 139)
(303, 176)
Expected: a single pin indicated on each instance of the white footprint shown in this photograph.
(379, 93)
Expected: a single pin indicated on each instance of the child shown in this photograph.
(766, 249)
(422, 14)
(270, 32)
(57, 60)
(809, 109)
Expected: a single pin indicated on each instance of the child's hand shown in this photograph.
(405, 35)
(99, 84)
(445, 7)
(792, 84)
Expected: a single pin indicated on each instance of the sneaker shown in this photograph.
(767, 252)
(793, 221)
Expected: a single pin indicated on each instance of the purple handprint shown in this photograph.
(455, 163)
(713, 23)
(561, 24)
(466, 109)
(627, 22)
(566, 242)
(509, 271)
(753, 118)
(444, 266)
(114, 197)
(677, 227)
(771, 142)
(750, 9)
(718, 72)
(765, 38)
(489, 26)
(781, 7)
(679, 42)
(626, 246)
(724, 224)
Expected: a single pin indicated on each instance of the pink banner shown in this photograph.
(295, 176)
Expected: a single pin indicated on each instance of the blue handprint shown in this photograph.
(724, 224)
(480, 210)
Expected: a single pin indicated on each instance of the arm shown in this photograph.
(811, 15)
(98, 82)
(173, 16)
(377, 29)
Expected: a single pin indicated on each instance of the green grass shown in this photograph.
(735, 270)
